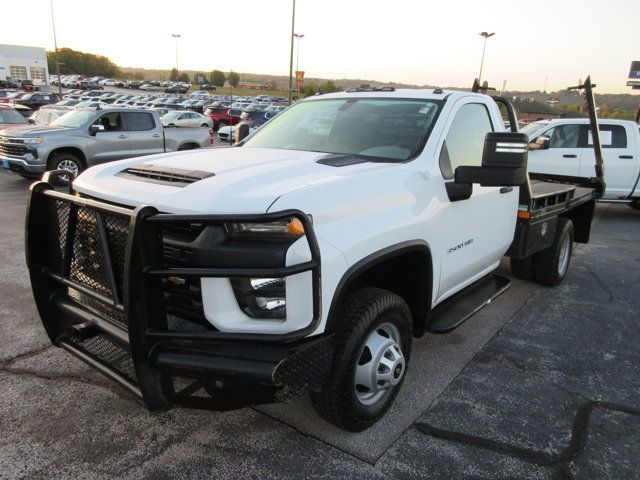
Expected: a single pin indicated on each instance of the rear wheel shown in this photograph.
(204, 125)
(373, 345)
(551, 264)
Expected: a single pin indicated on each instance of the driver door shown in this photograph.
(474, 232)
(110, 144)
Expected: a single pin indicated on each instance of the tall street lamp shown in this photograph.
(176, 36)
(55, 46)
(485, 35)
(298, 36)
(293, 25)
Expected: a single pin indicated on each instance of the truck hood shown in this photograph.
(245, 180)
(34, 131)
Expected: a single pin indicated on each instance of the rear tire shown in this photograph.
(373, 345)
(204, 125)
(551, 264)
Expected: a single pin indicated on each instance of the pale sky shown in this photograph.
(410, 41)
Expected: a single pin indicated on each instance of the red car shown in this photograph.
(222, 116)
(15, 96)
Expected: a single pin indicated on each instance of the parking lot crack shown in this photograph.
(561, 461)
(22, 356)
(600, 283)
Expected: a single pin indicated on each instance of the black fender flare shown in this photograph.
(367, 263)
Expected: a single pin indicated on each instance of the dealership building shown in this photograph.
(24, 63)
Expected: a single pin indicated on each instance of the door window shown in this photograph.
(465, 140)
(139, 122)
(563, 136)
(111, 122)
(611, 136)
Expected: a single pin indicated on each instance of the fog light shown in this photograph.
(261, 297)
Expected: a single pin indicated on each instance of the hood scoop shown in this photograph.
(175, 177)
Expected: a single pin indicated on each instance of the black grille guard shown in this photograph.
(97, 275)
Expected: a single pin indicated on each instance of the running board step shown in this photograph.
(454, 311)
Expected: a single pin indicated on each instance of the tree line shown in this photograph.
(81, 63)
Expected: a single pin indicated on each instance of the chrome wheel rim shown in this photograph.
(69, 166)
(380, 364)
(563, 261)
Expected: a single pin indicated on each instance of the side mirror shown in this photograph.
(541, 143)
(31, 121)
(95, 128)
(504, 162)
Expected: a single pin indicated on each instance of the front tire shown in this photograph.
(373, 346)
(552, 263)
(65, 161)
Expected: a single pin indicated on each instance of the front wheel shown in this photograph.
(65, 161)
(373, 345)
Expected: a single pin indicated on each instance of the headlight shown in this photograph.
(261, 297)
(289, 229)
(34, 140)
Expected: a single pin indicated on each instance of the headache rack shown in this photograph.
(110, 290)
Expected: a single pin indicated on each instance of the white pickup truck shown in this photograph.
(306, 258)
(570, 152)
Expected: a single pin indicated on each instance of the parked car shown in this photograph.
(566, 148)
(37, 99)
(90, 86)
(222, 116)
(176, 89)
(46, 116)
(107, 82)
(208, 87)
(148, 87)
(13, 96)
(28, 86)
(10, 117)
(66, 104)
(186, 119)
(83, 138)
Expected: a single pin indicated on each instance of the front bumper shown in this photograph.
(22, 166)
(100, 275)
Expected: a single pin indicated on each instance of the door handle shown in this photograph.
(506, 189)
(122, 136)
(570, 155)
(626, 157)
(156, 135)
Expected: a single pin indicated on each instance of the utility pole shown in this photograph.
(55, 46)
(298, 37)
(485, 35)
(176, 36)
(293, 25)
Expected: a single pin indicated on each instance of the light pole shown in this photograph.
(485, 35)
(55, 46)
(298, 37)
(176, 36)
(293, 25)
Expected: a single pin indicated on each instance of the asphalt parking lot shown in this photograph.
(542, 383)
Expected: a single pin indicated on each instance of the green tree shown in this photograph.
(184, 77)
(329, 87)
(173, 76)
(81, 63)
(217, 78)
(233, 78)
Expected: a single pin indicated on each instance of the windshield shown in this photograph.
(73, 119)
(11, 116)
(532, 129)
(384, 128)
